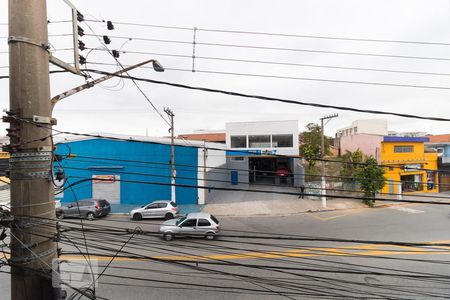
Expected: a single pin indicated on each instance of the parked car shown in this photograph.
(194, 224)
(86, 208)
(156, 209)
(282, 172)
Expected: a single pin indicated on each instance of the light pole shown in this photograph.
(322, 155)
(172, 153)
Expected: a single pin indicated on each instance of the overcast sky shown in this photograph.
(118, 107)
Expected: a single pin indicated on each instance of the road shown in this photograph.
(248, 262)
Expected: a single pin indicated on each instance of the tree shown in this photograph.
(351, 161)
(310, 142)
(371, 178)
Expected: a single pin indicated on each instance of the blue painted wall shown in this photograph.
(150, 164)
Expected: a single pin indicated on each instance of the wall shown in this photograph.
(268, 127)
(399, 160)
(369, 144)
(147, 162)
(215, 176)
(370, 126)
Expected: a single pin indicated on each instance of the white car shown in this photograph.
(157, 209)
(194, 224)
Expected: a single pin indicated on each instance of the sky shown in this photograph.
(117, 106)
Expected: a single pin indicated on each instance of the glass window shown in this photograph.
(173, 204)
(203, 222)
(403, 149)
(152, 206)
(238, 141)
(282, 140)
(259, 141)
(214, 219)
(162, 205)
(237, 158)
(189, 223)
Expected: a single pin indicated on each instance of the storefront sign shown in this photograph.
(412, 167)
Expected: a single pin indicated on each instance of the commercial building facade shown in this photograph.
(136, 170)
(409, 168)
(258, 152)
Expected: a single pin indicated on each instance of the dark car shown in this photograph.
(86, 208)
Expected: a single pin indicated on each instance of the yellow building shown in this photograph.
(408, 167)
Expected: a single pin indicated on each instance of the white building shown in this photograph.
(262, 151)
(369, 126)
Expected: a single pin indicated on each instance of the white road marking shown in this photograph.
(408, 210)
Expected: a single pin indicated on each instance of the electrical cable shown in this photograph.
(265, 98)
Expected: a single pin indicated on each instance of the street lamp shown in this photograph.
(157, 66)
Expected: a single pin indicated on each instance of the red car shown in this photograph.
(282, 172)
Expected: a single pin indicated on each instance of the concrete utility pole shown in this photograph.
(31, 157)
(172, 155)
(322, 155)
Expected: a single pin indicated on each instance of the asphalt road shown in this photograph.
(249, 262)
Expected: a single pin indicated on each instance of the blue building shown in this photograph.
(133, 170)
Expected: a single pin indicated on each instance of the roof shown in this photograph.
(405, 139)
(198, 215)
(208, 137)
(440, 138)
(156, 140)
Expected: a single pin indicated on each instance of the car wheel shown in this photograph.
(90, 216)
(60, 216)
(137, 217)
(168, 236)
(210, 236)
(168, 216)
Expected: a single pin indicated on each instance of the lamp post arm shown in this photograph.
(90, 84)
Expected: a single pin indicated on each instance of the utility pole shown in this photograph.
(172, 155)
(205, 156)
(322, 156)
(32, 239)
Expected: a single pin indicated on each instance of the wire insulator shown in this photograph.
(106, 40)
(109, 25)
(81, 45)
(80, 31)
(80, 17)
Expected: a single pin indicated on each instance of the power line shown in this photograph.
(265, 98)
(282, 63)
(278, 48)
(280, 34)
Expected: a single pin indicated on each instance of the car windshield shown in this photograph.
(180, 220)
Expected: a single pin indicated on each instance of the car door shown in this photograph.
(161, 211)
(188, 227)
(203, 226)
(150, 210)
(71, 209)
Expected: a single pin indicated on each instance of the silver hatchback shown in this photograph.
(157, 209)
(194, 224)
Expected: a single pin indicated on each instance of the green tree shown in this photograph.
(371, 178)
(310, 141)
(351, 161)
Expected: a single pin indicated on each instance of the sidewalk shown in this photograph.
(289, 205)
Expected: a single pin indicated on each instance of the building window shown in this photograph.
(237, 158)
(238, 141)
(403, 149)
(282, 140)
(259, 141)
(355, 130)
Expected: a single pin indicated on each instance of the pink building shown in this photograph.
(369, 144)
